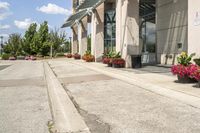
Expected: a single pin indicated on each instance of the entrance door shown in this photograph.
(148, 31)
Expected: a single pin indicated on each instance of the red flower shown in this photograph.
(182, 71)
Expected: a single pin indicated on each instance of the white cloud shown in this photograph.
(4, 10)
(2, 27)
(53, 9)
(24, 24)
(4, 5)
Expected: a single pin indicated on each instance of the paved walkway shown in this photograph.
(24, 106)
(121, 106)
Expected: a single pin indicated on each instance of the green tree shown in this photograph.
(56, 40)
(14, 45)
(29, 38)
(42, 39)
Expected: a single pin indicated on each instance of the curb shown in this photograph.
(65, 116)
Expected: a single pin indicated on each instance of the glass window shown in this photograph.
(109, 31)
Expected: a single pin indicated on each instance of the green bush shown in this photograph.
(60, 54)
(21, 57)
(5, 56)
(197, 61)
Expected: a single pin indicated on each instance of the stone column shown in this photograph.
(118, 25)
(194, 27)
(74, 46)
(98, 32)
(83, 36)
(130, 30)
(93, 33)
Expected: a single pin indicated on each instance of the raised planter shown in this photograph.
(186, 79)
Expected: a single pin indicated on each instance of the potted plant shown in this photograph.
(69, 55)
(118, 63)
(77, 56)
(107, 59)
(184, 68)
(89, 58)
(85, 56)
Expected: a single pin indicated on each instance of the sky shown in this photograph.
(17, 15)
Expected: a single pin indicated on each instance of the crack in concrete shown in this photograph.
(95, 124)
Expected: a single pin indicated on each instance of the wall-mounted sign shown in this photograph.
(197, 19)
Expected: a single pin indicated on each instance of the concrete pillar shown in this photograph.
(130, 30)
(119, 26)
(83, 36)
(194, 27)
(74, 46)
(93, 33)
(98, 32)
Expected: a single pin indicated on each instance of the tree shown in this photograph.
(56, 40)
(42, 38)
(29, 38)
(14, 45)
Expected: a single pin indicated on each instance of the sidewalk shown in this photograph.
(125, 101)
(158, 83)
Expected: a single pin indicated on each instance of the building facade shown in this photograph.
(158, 30)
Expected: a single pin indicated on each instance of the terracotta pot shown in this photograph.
(186, 79)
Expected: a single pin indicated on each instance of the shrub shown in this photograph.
(5, 56)
(20, 57)
(60, 55)
(12, 58)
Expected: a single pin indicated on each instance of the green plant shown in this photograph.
(60, 55)
(5, 56)
(185, 59)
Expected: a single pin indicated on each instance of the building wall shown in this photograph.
(194, 27)
(171, 29)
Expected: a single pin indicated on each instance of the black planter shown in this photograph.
(118, 65)
(198, 84)
(186, 79)
(109, 64)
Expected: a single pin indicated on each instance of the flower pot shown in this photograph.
(186, 79)
(118, 65)
(198, 84)
(109, 64)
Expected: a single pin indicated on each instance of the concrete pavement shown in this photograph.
(24, 106)
(125, 102)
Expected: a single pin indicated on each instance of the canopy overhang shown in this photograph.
(84, 9)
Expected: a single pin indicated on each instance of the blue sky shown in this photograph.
(16, 15)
